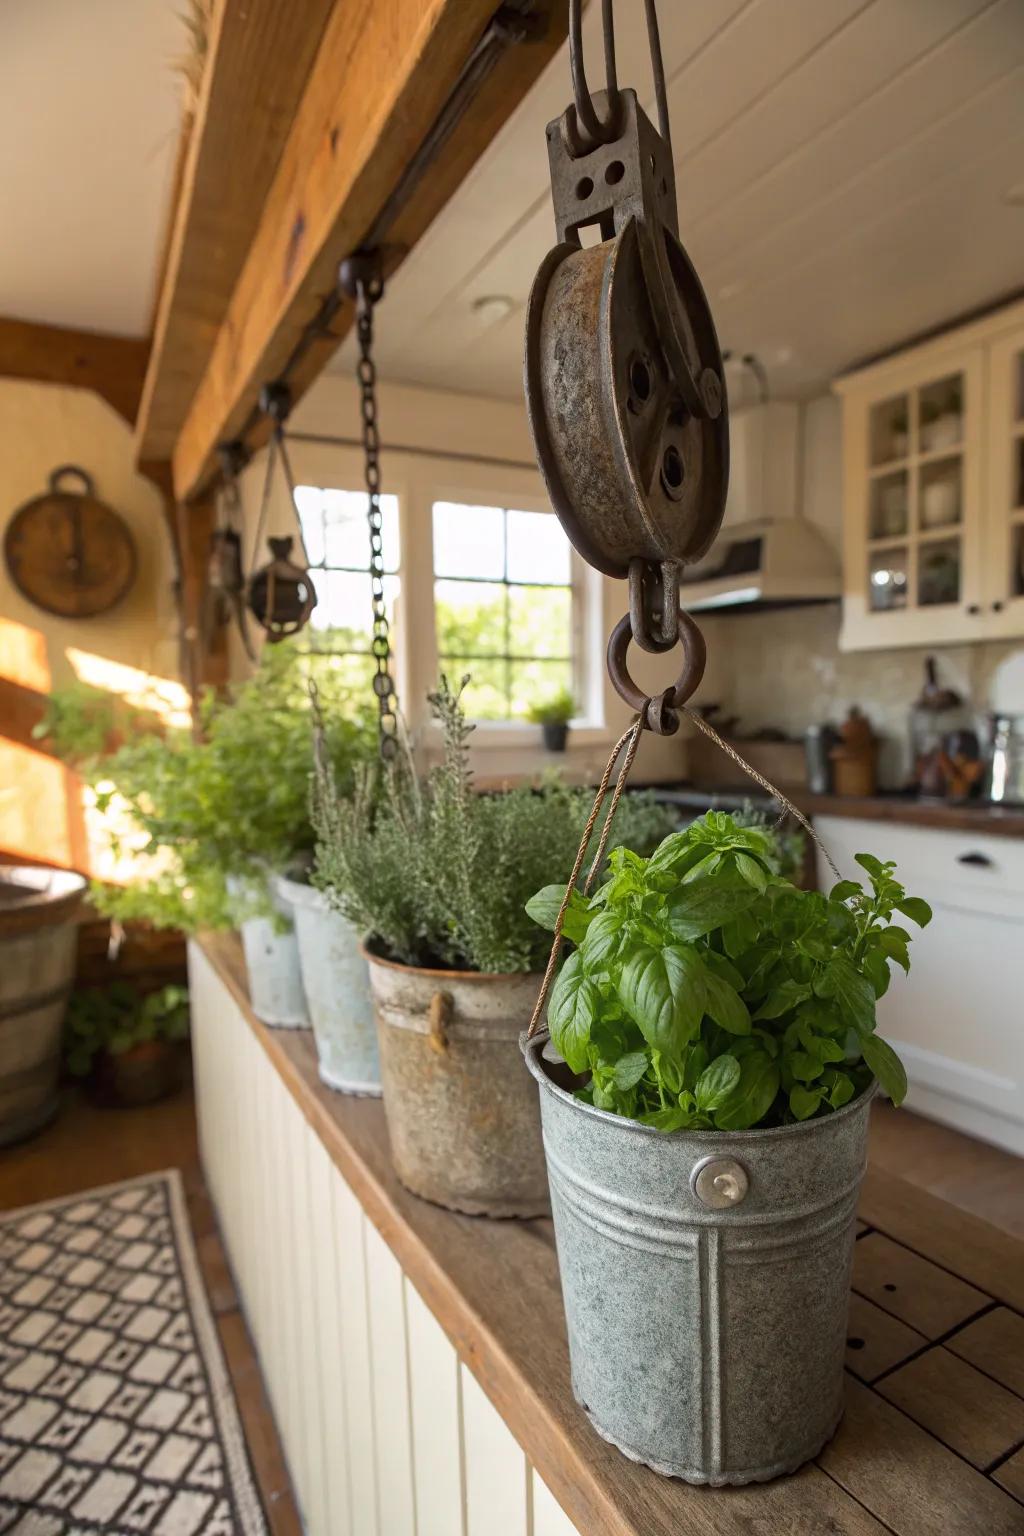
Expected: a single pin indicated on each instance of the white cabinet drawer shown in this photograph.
(975, 862)
(957, 1021)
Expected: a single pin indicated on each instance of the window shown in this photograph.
(503, 606)
(337, 541)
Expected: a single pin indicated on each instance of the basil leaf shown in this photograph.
(725, 1005)
(804, 1101)
(850, 990)
(707, 904)
(873, 866)
(752, 872)
(840, 1088)
(876, 968)
(628, 1070)
(664, 991)
(753, 1095)
(917, 910)
(804, 1067)
(671, 1119)
(893, 943)
(574, 1003)
(784, 997)
(544, 908)
(886, 1066)
(717, 1082)
(844, 890)
(602, 940)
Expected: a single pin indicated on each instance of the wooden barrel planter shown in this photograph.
(39, 914)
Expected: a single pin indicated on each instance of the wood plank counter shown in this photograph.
(984, 820)
(932, 1437)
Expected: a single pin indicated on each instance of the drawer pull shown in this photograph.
(980, 860)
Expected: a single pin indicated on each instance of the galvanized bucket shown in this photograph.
(462, 1114)
(706, 1281)
(337, 987)
(271, 956)
(39, 912)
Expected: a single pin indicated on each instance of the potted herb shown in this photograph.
(126, 1044)
(436, 876)
(553, 716)
(705, 1136)
(206, 826)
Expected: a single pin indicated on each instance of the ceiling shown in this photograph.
(89, 113)
(849, 172)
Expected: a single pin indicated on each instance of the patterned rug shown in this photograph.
(116, 1412)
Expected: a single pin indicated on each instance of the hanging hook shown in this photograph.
(584, 129)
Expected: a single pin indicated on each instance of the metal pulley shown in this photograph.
(281, 594)
(624, 378)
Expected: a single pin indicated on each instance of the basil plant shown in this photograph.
(705, 991)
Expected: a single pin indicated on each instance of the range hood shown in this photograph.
(765, 555)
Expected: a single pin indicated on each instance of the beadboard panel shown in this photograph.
(385, 1432)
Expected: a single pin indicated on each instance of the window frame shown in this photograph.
(515, 491)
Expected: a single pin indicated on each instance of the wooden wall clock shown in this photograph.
(68, 552)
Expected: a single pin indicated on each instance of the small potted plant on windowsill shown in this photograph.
(553, 716)
(127, 1045)
(436, 876)
(705, 1119)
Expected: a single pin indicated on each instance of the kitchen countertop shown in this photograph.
(974, 816)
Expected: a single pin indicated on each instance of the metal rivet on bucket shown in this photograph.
(719, 1182)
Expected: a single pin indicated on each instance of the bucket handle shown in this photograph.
(440, 1016)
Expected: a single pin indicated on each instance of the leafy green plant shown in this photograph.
(189, 814)
(705, 991)
(438, 874)
(557, 709)
(115, 1018)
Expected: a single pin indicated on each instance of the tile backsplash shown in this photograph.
(785, 669)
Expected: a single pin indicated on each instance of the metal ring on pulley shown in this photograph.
(658, 710)
(582, 128)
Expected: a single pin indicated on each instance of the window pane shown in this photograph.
(470, 618)
(535, 681)
(335, 530)
(938, 573)
(889, 495)
(484, 698)
(355, 673)
(538, 550)
(468, 541)
(343, 606)
(887, 580)
(541, 620)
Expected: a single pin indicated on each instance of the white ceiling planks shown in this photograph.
(842, 168)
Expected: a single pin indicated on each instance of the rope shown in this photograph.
(765, 783)
(632, 736)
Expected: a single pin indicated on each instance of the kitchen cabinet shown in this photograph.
(933, 490)
(956, 1020)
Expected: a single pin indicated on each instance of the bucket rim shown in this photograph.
(372, 958)
(532, 1048)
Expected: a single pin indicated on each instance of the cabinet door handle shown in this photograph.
(973, 608)
(997, 607)
(979, 860)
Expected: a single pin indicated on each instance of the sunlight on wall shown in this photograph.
(36, 805)
(160, 695)
(23, 658)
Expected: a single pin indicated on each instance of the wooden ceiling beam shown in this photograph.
(112, 366)
(258, 57)
(382, 78)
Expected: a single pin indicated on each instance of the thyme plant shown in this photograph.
(438, 874)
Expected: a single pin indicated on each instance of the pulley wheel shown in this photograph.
(631, 469)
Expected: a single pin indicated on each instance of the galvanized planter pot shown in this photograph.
(272, 959)
(706, 1281)
(336, 982)
(462, 1114)
(39, 912)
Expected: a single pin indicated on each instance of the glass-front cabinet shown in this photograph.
(933, 490)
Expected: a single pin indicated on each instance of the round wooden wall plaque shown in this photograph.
(69, 553)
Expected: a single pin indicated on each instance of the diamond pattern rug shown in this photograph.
(116, 1412)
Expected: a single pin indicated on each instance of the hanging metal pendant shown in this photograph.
(281, 594)
(623, 369)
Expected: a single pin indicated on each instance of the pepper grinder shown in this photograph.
(855, 760)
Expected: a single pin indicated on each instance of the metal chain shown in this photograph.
(367, 294)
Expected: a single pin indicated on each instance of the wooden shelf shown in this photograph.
(494, 1288)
